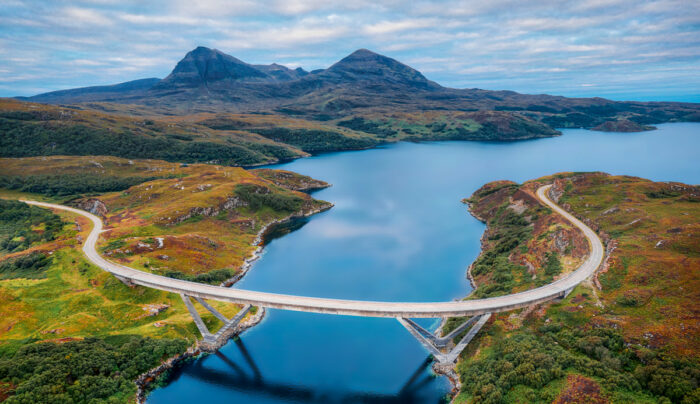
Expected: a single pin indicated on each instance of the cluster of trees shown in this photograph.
(88, 371)
(213, 277)
(315, 141)
(534, 359)
(22, 138)
(552, 265)
(259, 197)
(17, 220)
(30, 266)
(64, 184)
(281, 153)
(509, 230)
(367, 126)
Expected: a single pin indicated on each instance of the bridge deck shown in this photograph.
(351, 307)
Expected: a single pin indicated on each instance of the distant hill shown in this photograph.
(362, 84)
(119, 91)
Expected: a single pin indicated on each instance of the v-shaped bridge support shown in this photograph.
(434, 344)
(207, 337)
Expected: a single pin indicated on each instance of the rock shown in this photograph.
(611, 210)
(92, 205)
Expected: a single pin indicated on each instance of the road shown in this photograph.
(351, 307)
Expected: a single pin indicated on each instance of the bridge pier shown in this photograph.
(435, 344)
(564, 294)
(212, 341)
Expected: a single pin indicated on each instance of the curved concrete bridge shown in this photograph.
(403, 311)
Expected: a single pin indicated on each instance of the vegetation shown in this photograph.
(42, 130)
(533, 360)
(30, 266)
(365, 125)
(213, 277)
(22, 225)
(204, 219)
(93, 370)
(259, 197)
(60, 315)
(629, 336)
(552, 266)
(21, 138)
(315, 141)
(64, 185)
(501, 268)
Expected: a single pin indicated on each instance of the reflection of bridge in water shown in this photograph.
(479, 309)
(247, 377)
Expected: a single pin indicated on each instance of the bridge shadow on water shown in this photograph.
(244, 375)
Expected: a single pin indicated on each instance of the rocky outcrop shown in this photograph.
(232, 202)
(92, 205)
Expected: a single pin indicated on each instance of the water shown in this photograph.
(398, 232)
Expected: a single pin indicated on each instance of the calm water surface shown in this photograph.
(397, 232)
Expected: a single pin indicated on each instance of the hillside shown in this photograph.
(628, 336)
(30, 129)
(62, 314)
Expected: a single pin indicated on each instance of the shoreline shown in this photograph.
(449, 371)
(145, 380)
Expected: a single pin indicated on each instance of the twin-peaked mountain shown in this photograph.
(362, 83)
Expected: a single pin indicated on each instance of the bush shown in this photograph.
(259, 197)
(213, 277)
(315, 141)
(88, 371)
(30, 266)
(552, 266)
(533, 360)
(64, 185)
(22, 138)
(17, 220)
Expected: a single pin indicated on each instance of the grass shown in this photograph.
(190, 225)
(628, 337)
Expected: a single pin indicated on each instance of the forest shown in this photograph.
(90, 370)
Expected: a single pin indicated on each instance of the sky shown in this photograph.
(618, 49)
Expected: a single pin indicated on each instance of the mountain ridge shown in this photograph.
(363, 82)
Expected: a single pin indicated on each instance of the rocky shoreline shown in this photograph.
(449, 370)
(144, 381)
(257, 242)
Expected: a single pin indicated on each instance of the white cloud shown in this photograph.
(389, 27)
(81, 17)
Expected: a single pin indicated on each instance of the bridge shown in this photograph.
(478, 310)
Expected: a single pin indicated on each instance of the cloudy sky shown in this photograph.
(620, 49)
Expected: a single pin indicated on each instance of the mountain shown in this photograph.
(361, 84)
(364, 66)
(96, 93)
(204, 67)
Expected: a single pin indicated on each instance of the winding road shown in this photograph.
(351, 307)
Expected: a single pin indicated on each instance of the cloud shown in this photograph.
(81, 17)
(536, 46)
(389, 27)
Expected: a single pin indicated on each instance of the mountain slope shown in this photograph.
(363, 83)
(95, 93)
(204, 67)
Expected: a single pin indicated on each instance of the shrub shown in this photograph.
(258, 197)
